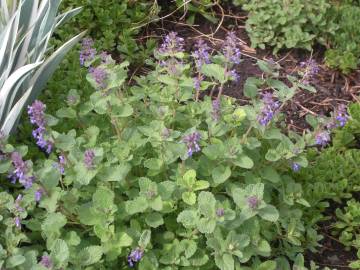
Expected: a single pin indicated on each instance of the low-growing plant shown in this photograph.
(344, 52)
(348, 228)
(287, 24)
(153, 176)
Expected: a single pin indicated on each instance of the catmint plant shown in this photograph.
(135, 256)
(88, 52)
(309, 69)
(89, 156)
(192, 143)
(269, 109)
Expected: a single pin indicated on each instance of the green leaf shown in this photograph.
(116, 173)
(214, 71)
(243, 161)
(53, 222)
(145, 239)
(269, 173)
(251, 87)
(272, 155)
(122, 110)
(220, 174)
(103, 198)
(225, 261)
(137, 205)
(65, 142)
(188, 179)
(268, 265)
(188, 218)
(189, 197)
(200, 185)
(59, 252)
(189, 246)
(154, 220)
(14, 261)
(90, 255)
(206, 204)
(206, 225)
(269, 213)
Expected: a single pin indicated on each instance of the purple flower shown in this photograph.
(38, 194)
(201, 54)
(230, 50)
(197, 83)
(234, 75)
(172, 44)
(104, 56)
(216, 110)
(220, 212)
(295, 166)
(269, 109)
(17, 221)
(192, 143)
(37, 113)
(253, 202)
(87, 52)
(61, 164)
(17, 203)
(20, 171)
(46, 261)
(341, 115)
(37, 117)
(322, 138)
(99, 75)
(135, 256)
(310, 69)
(89, 159)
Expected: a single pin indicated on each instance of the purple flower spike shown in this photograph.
(172, 44)
(234, 75)
(322, 138)
(216, 110)
(99, 75)
(269, 109)
(197, 83)
(201, 54)
(310, 69)
(220, 212)
(37, 113)
(87, 52)
(38, 194)
(89, 159)
(295, 167)
(230, 50)
(17, 221)
(253, 202)
(192, 143)
(135, 256)
(104, 56)
(46, 262)
(17, 203)
(37, 117)
(341, 115)
(20, 171)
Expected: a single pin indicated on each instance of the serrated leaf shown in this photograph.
(154, 220)
(90, 255)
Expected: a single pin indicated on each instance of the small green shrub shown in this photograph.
(286, 24)
(344, 53)
(149, 174)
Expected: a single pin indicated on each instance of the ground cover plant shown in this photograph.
(158, 178)
(120, 166)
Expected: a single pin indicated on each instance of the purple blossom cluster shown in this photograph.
(253, 202)
(322, 138)
(216, 109)
(172, 44)
(230, 49)
(269, 108)
(87, 52)
(197, 82)
(341, 116)
(89, 156)
(38, 194)
(192, 143)
(295, 166)
(46, 261)
(220, 212)
(37, 117)
(201, 54)
(19, 209)
(310, 69)
(135, 256)
(99, 75)
(21, 171)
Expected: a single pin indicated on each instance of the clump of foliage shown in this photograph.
(153, 176)
(348, 228)
(114, 24)
(286, 24)
(344, 52)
